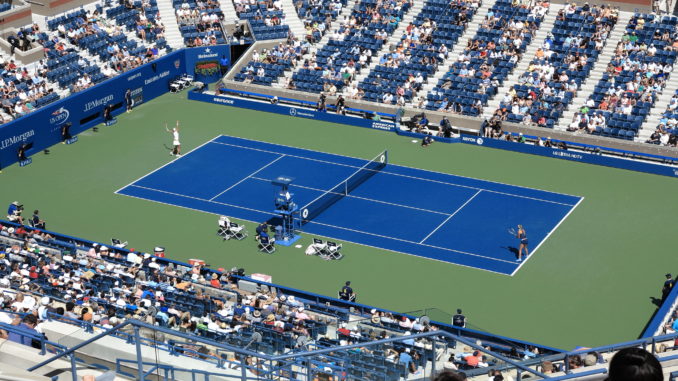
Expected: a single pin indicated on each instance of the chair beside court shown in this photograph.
(326, 250)
(228, 229)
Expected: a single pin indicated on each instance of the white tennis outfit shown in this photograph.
(176, 138)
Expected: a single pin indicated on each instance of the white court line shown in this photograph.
(402, 166)
(408, 241)
(344, 240)
(201, 199)
(451, 215)
(251, 174)
(405, 176)
(548, 235)
(359, 198)
(170, 162)
(328, 225)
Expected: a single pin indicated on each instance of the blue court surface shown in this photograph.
(432, 215)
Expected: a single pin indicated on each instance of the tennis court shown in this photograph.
(433, 215)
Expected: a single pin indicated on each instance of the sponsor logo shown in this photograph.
(293, 111)
(135, 76)
(177, 63)
(16, 139)
(469, 139)
(479, 141)
(675, 172)
(59, 116)
(157, 77)
(208, 53)
(382, 125)
(223, 100)
(137, 91)
(568, 155)
(98, 102)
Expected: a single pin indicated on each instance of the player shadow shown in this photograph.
(513, 250)
(656, 301)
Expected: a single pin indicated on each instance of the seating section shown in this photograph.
(142, 17)
(266, 67)
(317, 16)
(639, 70)
(351, 47)
(488, 58)
(200, 23)
(559, 67)
(666, 133)
(265, 17)
(116, 284)
(425, 44)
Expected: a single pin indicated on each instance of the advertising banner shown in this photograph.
(43, 127)
(299, 112)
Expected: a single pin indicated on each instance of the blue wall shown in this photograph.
(582, 157)
(42, 127)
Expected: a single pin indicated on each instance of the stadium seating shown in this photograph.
(426, 43)
(637, 73)
(317, 16)
(342, 58)
(200, 24)
(266, 19)
(560, 67)
(489, 57)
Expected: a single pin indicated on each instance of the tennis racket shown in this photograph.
(167, 147)
(511, 231)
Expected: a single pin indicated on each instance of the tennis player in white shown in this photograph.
(176, 150)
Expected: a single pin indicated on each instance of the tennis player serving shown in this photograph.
(176, 150)
(521, 234)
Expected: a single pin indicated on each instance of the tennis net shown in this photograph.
(325, 200)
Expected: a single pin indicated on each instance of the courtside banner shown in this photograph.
(582, 157)
(42, 128)
(299, 112)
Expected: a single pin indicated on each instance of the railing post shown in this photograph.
(140, 361)
(74, 368)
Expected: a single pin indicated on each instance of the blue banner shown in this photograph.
(204, 57)
(582, 157)
(299, 112)
(43, 128)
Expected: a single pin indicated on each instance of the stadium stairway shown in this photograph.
(292, 19)
(470, 32)
(597, 72)
(656, 112)
(345, 13)
(530, 51)
(169, 19)
(392, 41)
(230, 16)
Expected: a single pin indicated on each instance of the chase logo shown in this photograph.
(293, 111)
(479, 141)
(59, 116)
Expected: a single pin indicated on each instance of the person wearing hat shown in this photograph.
(214, 281)
(668, 286)
(14, 212)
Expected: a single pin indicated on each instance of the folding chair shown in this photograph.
(224, 228)
(318, 247)
(267, 245)
(117, 243)
(333, 251)
(237, 231)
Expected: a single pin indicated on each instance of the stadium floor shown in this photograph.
(402, 209)
(590, 284)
